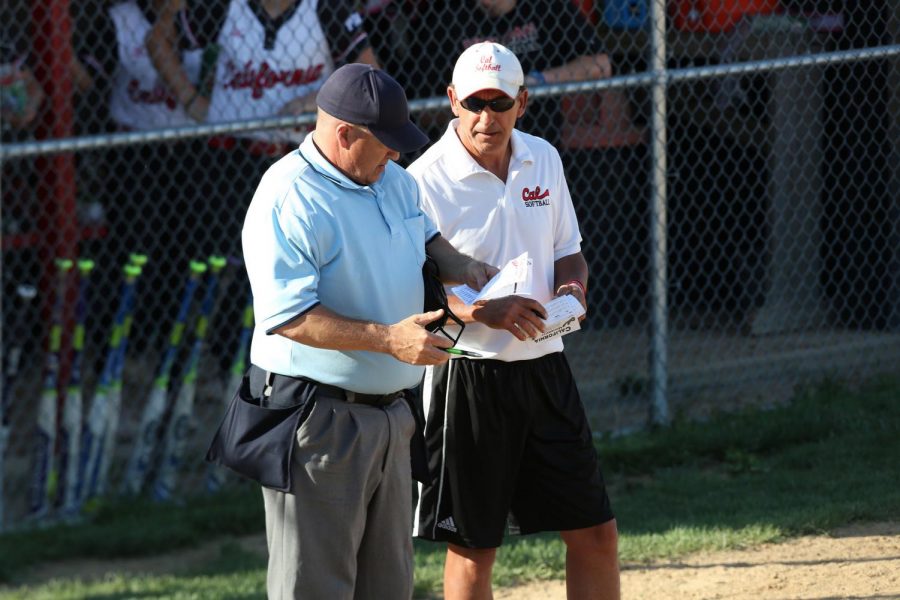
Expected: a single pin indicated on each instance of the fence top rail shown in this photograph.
(94, 142)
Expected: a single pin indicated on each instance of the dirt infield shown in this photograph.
(858, 561)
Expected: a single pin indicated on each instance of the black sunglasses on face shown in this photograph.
(498, 105)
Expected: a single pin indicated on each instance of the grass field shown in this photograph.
(830, 457)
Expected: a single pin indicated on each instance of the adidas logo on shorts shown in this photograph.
(448, 524)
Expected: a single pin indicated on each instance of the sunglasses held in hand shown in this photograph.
(435, 298)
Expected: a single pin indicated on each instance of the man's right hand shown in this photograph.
(410, 342)
(299, 105)
(198, 108)
(520, 316)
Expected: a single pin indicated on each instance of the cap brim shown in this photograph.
(464, 92)
(403, 139)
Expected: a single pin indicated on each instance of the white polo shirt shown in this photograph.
(494, 222)
(314, 236)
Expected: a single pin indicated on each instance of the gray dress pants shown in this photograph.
(345, 531)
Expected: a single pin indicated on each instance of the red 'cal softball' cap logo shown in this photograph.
(486, 63)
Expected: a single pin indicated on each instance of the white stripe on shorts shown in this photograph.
(426, 406)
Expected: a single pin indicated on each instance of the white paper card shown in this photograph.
(465, 293)
(514, 278)
(562, 317)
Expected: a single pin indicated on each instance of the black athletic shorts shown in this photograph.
(513, 449)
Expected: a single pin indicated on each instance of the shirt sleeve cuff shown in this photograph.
(278, 321)
(565, 251)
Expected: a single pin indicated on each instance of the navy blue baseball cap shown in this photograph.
(360, 94)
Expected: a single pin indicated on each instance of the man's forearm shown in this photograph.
(163, 50)
(593, 66)
(324, 328)
(450, 262)
(407, 340)
(461, 309)
(570, 268)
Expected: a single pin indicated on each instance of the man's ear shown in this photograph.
(344, 134)
(454, 105)
(523, 102)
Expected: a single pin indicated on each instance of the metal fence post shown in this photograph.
(659, 302)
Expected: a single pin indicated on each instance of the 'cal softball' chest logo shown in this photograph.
(536, 197)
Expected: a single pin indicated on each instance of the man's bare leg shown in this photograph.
(592, 562)
(467, 573)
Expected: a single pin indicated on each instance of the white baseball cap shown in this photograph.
(487, 66)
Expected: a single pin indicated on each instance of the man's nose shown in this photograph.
(487, 115)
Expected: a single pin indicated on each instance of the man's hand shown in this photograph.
(455, 267)
(299, 106)
(476, 274)
(573, 289)
(520, 316)
(198, 108)
(411, 343)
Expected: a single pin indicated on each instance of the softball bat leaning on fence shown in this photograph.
(155, 408)
(115, 394)
(181, 420)
(43, 482)
(100, 419)
(70, 428)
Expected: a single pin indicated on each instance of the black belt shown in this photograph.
(332, 391)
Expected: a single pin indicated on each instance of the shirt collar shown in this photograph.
(323, 167)
(461, 164)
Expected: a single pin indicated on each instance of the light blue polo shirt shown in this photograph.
(313, 236)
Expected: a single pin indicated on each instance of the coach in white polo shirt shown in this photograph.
(508, 436)
(334, 244)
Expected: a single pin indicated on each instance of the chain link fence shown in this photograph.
(734, 170)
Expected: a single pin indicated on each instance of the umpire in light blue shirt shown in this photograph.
(334, 242)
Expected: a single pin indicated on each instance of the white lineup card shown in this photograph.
(514, 278)
(562, 317)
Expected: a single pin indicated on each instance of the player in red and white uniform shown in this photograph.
(147, 188)
(110, 43)
(273, 55)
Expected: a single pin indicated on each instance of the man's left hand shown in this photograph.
(455, 267)
(299, 106)
(476, 274)
(575, 290)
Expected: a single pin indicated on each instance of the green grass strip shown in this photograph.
(825, 460)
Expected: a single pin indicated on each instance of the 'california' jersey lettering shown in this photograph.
(265, 63)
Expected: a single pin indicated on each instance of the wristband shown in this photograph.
(538, 76)
(579, 284)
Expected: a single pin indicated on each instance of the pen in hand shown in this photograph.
(459, 352)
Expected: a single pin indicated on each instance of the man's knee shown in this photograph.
(471, 558)
(599, 539)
